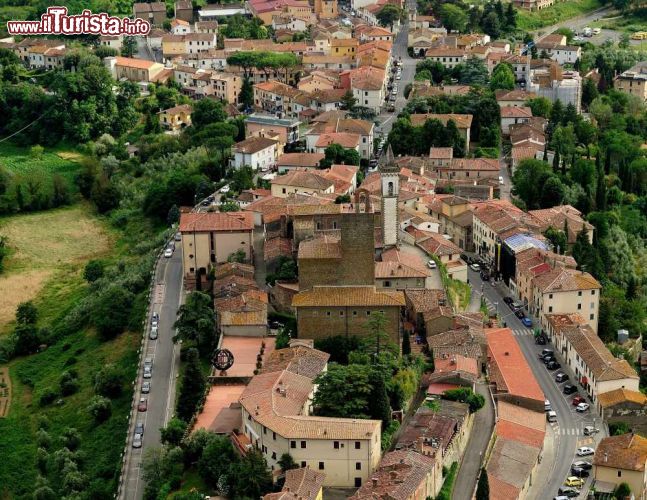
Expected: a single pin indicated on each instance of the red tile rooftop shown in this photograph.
(217, 415)
(439, 388)
(245, 350)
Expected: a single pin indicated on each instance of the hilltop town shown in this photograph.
(284, 249)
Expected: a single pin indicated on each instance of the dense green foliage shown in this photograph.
(483, 487)
(466, 395)
(192, 386)
(448, 485)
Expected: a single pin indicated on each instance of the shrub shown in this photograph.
(100, 408)
(108, 382)
(69, 383)
(47, 397)
(94, 270)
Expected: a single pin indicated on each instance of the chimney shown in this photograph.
(374, 481)
(606, 456)
(507, 353)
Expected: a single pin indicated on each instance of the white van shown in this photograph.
(551, 416)
(547, 406)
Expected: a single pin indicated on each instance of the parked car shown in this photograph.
(579, 472)
(432, 264)
(540, 340)
(583, 464)
(584, 451)
(485, 276)
(589, 430)
(561, 377)
(178, 236)
(146, 387)
(501, 182)
(547, 406)
(527, 322)
(508, 300)
(560, 497)
(569, 389)
(551, 416)
(516, 305)
(519, 313)
(156, 316)
(553, 365)
(225, 188)
(137, 441)
(139, 428)
(475, 267)
(582, 407)
(569, 492)
(153, 334)
(545, 351)
(143, 404)
(548, 358)
(148, 372)
(573, 481)
(168, 253)
(577, 400)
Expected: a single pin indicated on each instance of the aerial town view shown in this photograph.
(323, 250)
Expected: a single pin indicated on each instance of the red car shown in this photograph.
(143, 404)
(577, 400)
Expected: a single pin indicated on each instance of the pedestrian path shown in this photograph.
(522, 333)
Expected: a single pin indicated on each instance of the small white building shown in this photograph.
(260, 153)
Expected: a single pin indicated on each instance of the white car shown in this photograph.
(582, 407)
(225, 188)
(475, 267)
(501, 180)
(168, 253)
(431, 264)
(153, 334)
(137, 441)
(398, 76)
(583, 451)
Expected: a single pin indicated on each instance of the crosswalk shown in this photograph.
(522, 333)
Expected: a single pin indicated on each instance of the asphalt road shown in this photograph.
(166, 360)
(570, 424)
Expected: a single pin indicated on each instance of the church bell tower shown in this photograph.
(390, 177)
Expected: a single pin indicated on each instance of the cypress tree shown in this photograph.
(406, 345)
(192, 388)
(378, 405)
(601, 187)
(483, 488)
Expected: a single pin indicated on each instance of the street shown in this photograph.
(568, 430)
(165, 300)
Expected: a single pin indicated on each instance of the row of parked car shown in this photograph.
(147, 375)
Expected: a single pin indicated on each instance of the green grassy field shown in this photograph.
(560, 11)
(17, 160)
(629, 23)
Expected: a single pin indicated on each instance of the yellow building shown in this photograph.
(621, 459)
(175, 118)
(209, 238)
(633, 81)
(341, 47)
(226, 86)
(277, 419)
(134, 70)
(173, 45)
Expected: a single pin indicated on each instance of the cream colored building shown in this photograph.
(595, 368)
(277, 418)
(622, 459)
(209, 238)
(564, 291)
(176, 118)
(134, 70)
(633, 81)
(299, 181)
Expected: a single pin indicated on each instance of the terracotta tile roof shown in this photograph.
(565, 280)
(511, 462)
(445, 52)
(507, 360)
(344, 139)
(392, 269)
(324, 247)
(254, 145)
(619, 396)
(278, 399)
(563, 216)
(424, 300)
(441, 153)
(303, 484)
(303, 179)
(341, 296)
(514, 95)
(300, 359)
(520, 424)
(216, 221)
(628, 452)
(500, 490)
(398, 476)
(300, 159)
(604, 365)
(424, 425)
(480, 164)
(462, 121)
(515, 112)
(522, 153)
(275, 247)
(436, 244)
(130, 62)
(231, 268)
(457, 363)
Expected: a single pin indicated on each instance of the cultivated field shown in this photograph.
(48, 248)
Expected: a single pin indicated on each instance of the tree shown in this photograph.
(483, 487)
(128, 46)
(93, 271)
(286, 462)
(173, 432)
(112, 311)
(540, 106)
(388, 15)
(216, 460)
(552, 193)
(502, 77)
(196, 320)
(336, 154)
(471, 72)
(377, 339)
(348, 101)
(242, 178)
(26, 339)
(557, 238)
(343, 391)
(492, 25)
(206, 112)
(622, 491)
(246, 96)
(378, 403)
(406, 344)
(510, 18)
(100, 408)
(173, 215)
(229, 206)
(26, 313)
(192, 386)
(589, 92)
(251, 477)
(108, 381)
(104, 194)
(466, 395)
(453, 17)
(527, 180)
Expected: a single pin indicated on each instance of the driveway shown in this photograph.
(435, 283)
(568, 431)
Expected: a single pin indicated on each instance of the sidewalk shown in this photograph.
(475, 449)
(544, 470)
(475, 302)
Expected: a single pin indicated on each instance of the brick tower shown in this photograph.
(390, 175)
